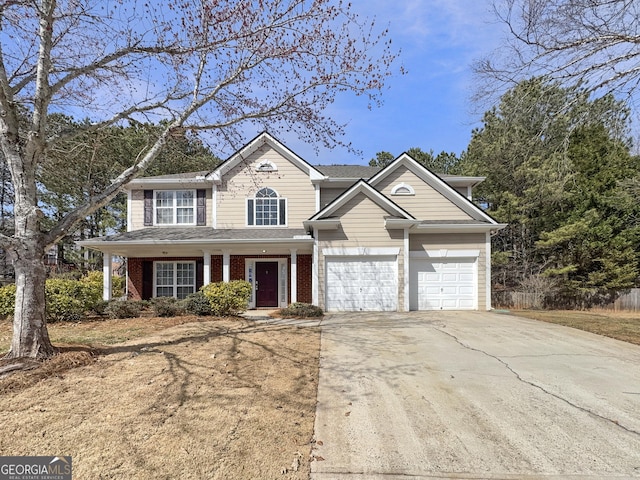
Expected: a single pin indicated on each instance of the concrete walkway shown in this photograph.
(473, 395)
(265, 316)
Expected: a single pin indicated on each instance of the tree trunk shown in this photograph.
(30, 335)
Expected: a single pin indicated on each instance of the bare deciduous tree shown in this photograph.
(198, 64)
(591, 43)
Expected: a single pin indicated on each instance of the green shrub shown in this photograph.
(228, 298)
(66, 299)
(166, 307)
(301, 310)
(117, 286)
(92, 283)
(123, 308)
(100, 307)
(197, 304)
(7, 300)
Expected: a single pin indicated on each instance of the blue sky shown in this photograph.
(430, 106)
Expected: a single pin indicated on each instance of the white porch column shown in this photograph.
(294, 275)
(487, 252)
(106, 276)
(406, 271)
(206, 270)
(315, 271)
(226, 265)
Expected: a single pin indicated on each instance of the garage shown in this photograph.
(443, 284)
(356, 284)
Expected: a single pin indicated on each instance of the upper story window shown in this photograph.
(175, 207)
(402, 189)
(267, 208)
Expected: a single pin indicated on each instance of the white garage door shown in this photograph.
(356, 284)
(447, 284)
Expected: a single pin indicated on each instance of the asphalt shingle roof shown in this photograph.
(347, 171)
(204, 233)
(177, 176)
(453, 222)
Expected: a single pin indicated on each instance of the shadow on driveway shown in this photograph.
(473, 395)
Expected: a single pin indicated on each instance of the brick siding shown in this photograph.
(304, 268)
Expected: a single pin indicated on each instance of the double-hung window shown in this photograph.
(266, 209)
(175, 279)
(175, 207)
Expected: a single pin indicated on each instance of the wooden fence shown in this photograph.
(629, 301)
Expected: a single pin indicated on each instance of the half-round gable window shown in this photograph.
(403, 189)
(266, 166)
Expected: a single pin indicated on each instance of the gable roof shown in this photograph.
(435, 182)
(263, 139)
(363, 187)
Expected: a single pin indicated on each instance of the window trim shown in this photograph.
(282, 209)
(174, 285)
(266, 166)
(408, 190)
(174, 207)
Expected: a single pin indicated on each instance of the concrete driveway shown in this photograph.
(473, 395)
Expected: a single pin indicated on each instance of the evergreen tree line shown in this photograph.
(561, 172)
(82, 167)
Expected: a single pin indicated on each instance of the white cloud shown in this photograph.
(468, 24)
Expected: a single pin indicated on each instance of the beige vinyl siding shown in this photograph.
(457, 241)
(362, 225)
(137, 206)
(426, 204)
(137, 209)
(243, 181)
(328, 195)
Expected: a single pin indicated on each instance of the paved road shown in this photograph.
(473, 395)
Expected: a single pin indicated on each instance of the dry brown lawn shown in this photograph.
(623, 326)
(180, 398)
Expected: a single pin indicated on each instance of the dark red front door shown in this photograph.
(266, 284)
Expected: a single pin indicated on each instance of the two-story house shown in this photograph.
(346, 238)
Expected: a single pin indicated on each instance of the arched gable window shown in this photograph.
(266, 166)
(267, 208)
(403, 189)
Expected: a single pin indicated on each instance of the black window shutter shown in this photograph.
(250, 212)
(283, 212)
(148, 208)
(199, 274)
(147, 280)
(201, 214)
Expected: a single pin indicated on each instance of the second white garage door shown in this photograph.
(447, 284)
(361, 283)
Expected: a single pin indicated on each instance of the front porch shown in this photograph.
(177, 261)
(277, 280)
